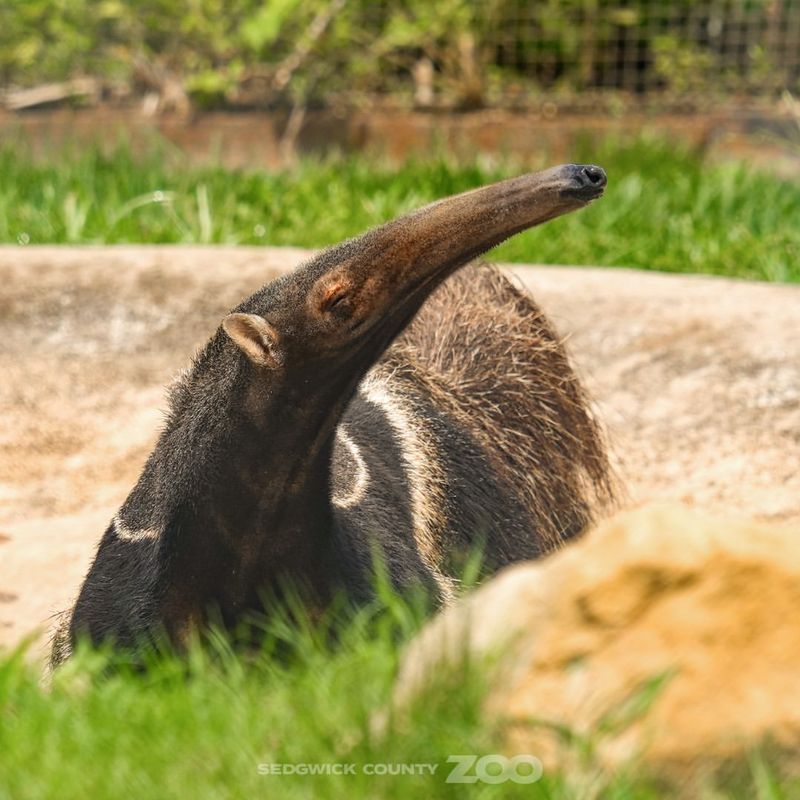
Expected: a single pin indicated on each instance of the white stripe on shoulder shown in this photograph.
(128, 535)
(423, 472)
(361, 479)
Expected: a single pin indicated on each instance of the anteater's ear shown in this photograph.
(256, 338)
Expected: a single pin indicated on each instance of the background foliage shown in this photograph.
(467, 52)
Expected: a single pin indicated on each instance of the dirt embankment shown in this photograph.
(697, 380)
(666, 637)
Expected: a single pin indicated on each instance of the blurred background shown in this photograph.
(125, 121)
(543, 55)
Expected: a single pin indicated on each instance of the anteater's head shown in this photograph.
(346, 305)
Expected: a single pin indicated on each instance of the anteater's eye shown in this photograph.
(335, 300)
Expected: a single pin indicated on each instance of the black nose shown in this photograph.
(590, 175)
(584, 182)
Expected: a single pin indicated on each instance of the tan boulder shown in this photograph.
(663, 634)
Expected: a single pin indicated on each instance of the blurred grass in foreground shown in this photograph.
(200, 727)
(665, 208)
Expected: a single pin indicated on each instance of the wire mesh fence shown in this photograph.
(451, 53)
(667, 51)
(715, 45)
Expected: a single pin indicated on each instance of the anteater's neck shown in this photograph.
(237, 489)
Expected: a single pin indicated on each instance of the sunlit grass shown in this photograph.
(665, 208)
(200, 726)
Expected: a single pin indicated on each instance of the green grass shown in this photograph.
(665, 208)
(200, 727)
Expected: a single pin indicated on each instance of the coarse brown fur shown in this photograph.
(494, 362)
(336, 415)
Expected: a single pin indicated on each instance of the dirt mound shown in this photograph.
(698, 380)
(664, 634)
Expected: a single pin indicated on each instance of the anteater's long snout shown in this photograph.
(375, 283)
(440, 237)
